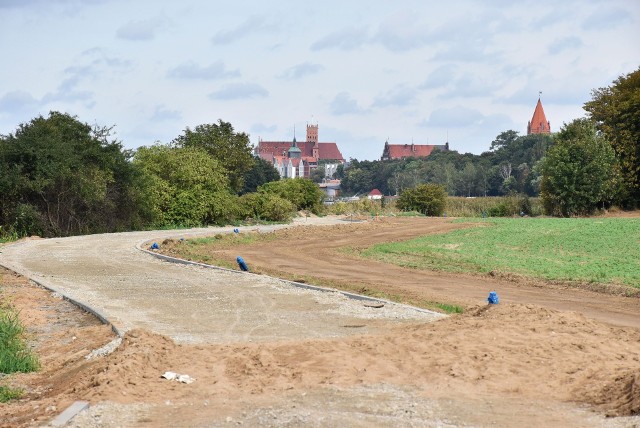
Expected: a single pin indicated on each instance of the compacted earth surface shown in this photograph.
(262, 353)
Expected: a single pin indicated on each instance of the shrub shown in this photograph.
(428, 199)
(7, 393)
(303, 193)
(275, 208)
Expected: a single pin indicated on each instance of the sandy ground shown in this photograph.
(565, 361)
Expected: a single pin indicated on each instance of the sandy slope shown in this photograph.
(516, 364)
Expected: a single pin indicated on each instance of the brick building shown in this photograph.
(297, 159)
(400, 151)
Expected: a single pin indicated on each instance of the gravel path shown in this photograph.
(191, 304)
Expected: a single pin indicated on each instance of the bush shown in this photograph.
(428, 199)
(223, 208)
(275, 208)
(303, 193)
(494, 206)
(265, 206)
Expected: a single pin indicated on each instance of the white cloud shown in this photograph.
(18, 102)
(253, 24)
(161, 113)
(191, 70)
(606, 19)
(301, 70)
(140, 30)
(565, 44)
(235, 91)
(471, 85)
(261, 127)
(458, 116)
(402, 31)
(441, 77)
(343, 104)
(400, 96)
(345, 39)
(370, 70)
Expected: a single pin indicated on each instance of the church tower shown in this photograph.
(312, 133)
(294, 151)
(539, 123)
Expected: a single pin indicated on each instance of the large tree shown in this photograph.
(59, 176)
(578, 172)
(231, 149)
(260, 173)
(616, 110)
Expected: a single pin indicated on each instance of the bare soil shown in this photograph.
(547, 355)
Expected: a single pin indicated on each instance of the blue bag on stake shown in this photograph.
(493, 298)
(242, 264)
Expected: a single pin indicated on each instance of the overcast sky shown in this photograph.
(364, 71)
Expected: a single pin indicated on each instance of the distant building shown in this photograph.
(331, 188)
(375, 194)
(297, 159)
(538, 123)
(399, 151)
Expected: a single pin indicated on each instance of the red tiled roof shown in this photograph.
(399, 151)
(539, 123)
(267, 156)
(375, 192)
(328, 151)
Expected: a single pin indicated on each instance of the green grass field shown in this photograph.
(601, 250)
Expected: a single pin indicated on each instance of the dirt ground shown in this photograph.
(547, 355)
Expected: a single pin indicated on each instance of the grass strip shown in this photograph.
(15, 356)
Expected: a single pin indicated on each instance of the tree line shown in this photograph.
(512, 165)
(60, 176)
(592, 162)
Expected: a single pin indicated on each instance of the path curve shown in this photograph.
(133, 289)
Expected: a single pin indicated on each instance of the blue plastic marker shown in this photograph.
(493, 298)
(242, 264)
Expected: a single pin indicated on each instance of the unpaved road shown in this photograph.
(264, 355)
(316, 253)
(186, 303)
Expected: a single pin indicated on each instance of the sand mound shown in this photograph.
(521, 350)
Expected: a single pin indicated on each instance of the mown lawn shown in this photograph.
(603, 250)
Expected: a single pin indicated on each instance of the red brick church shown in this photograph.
(400, 151)
(297, 159)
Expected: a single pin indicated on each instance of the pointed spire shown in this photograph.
(539, 123)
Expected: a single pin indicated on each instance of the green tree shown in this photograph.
(302, 192)
(260, 173)
(616, 110)
(503, 140)
(59, 176)
(428, 199)
(578, 173)
(231, 149)
(186, 186)
(317, 174)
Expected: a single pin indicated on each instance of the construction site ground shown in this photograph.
(265, 353)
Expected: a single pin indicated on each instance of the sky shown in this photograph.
(365, 72)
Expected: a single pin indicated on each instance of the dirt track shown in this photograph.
(313, 252)
(509, 365)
